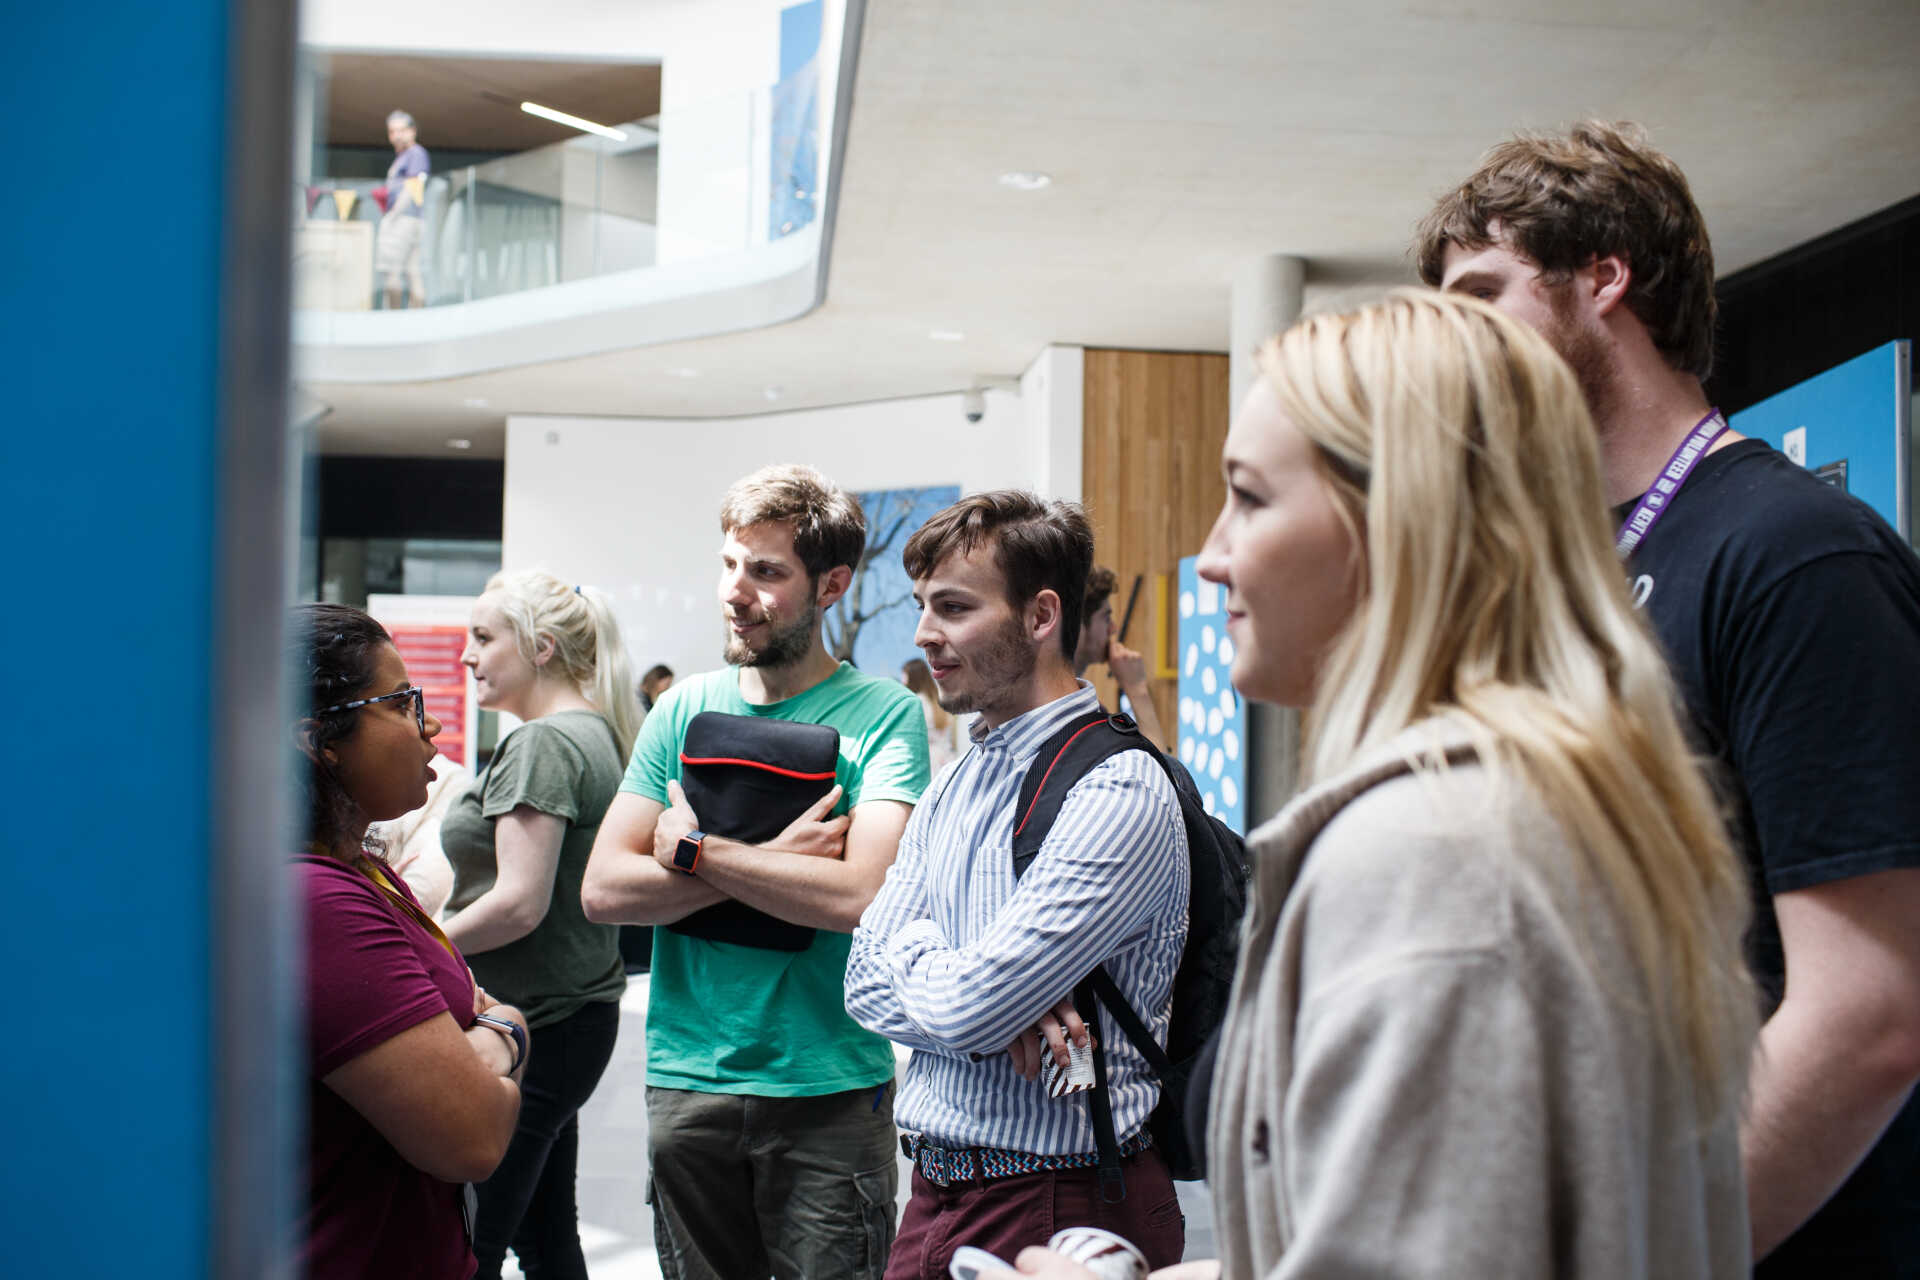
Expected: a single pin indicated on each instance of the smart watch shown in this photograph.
(512, 1031)
(686, 854)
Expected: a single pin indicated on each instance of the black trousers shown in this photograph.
(529, 1201)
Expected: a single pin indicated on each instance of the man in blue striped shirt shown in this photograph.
(970, 968)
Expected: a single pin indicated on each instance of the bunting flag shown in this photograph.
(313, 198)
(380, 197)
(343, 200)
(417, 190)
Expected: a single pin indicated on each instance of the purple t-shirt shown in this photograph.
(372, 972)
(408, 164)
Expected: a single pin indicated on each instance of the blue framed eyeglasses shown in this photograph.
(415, 692)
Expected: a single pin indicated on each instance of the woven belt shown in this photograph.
(944, 1166)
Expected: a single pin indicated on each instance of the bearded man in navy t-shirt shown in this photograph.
(1791, 616)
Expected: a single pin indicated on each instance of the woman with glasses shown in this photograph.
(414, 1070)
(1491, 1016)
(550, 653)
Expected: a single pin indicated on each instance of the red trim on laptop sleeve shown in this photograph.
(756, 764)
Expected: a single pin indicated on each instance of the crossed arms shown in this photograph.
(821, 871)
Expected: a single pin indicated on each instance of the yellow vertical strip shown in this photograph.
(1162, 618)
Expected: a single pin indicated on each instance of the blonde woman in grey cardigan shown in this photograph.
(1491, 1017)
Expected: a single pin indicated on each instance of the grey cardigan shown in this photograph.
(1432, 1064)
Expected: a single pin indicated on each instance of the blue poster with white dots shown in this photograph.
(1212, 717)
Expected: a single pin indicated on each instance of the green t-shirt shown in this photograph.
(723, 1018)
(566, 764)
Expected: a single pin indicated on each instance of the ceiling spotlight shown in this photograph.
(475, 402)
(682, 371)
(572, 122)
(946, 335)
(459, 442)
(773, 392)
(1026, 180)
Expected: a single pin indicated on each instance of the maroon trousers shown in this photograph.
(1005, 1215)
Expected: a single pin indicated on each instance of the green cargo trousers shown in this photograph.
(794, 1188)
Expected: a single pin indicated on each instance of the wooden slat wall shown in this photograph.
(1153, 424)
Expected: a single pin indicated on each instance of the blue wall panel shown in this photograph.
(1854, 420)
(107, 481)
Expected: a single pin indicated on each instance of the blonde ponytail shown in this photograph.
(612, 688)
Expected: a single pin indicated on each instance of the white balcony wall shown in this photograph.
(715, 269)
(644, 30)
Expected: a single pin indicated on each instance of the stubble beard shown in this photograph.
(1586, 354)
(1005, 664)
(787, 643)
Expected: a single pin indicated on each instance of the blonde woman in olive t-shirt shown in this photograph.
(548, 652)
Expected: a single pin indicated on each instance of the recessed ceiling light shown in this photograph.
(459, 442)
(773, 392)
(681, 371)
(1026, 180)
(946, 335)
(475, 402)
(572, 122)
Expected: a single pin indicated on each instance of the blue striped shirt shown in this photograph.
(952, 959)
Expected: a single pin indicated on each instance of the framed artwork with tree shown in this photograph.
(872, 625)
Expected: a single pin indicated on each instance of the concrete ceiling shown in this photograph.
(1185, 139)
(473, 104)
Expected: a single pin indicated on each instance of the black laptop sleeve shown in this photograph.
(747, 778)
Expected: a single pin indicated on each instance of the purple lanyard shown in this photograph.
(1653, 503)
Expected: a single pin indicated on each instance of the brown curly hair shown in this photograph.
(1595, 191)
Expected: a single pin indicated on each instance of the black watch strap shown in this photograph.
(512, 1031)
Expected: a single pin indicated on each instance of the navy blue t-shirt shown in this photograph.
(1790, 614)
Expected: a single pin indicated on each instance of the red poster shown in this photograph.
(432, 655)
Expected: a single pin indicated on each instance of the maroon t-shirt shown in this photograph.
(372, 972)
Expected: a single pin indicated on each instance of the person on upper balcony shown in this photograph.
(402, 227)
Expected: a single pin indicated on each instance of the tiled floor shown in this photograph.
(615, 1227)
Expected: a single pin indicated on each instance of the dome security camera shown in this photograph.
(973, 404)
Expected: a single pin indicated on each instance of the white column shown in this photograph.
(1267, 294)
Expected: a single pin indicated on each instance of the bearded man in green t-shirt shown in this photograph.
(770, 1111)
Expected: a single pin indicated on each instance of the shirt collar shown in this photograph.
(1023, 734)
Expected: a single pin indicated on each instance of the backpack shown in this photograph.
(1217, 860)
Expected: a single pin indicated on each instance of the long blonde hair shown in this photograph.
(586, 641)
(1460, 449)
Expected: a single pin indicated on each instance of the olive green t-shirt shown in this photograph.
(726, 1018)
(566, 764)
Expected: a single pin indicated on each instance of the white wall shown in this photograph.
(631, 505)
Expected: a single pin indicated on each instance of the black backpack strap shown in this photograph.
(1062, 760)
(1074, 751)
(1106, 1143)
(1137, 1031)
